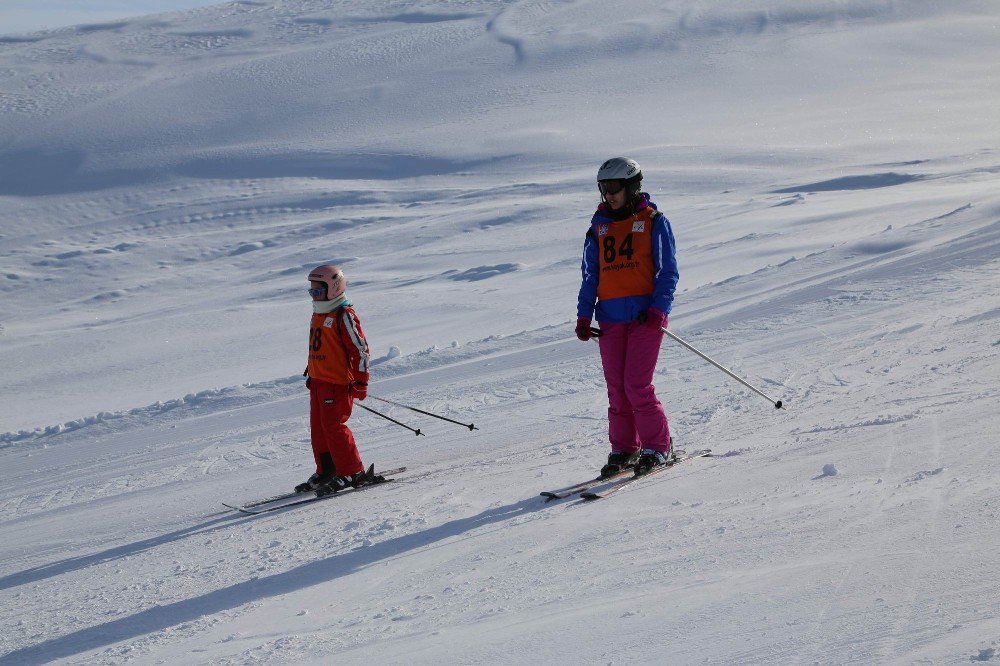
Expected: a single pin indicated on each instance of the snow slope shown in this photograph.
(830, 171)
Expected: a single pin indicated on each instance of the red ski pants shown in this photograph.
(635, 416)
(330, 406)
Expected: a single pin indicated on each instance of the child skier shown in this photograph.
(630, 270)
(337, 374)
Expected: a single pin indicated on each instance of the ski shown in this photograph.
(251, 507)
(267, 500)
(620, 485)
(568, 491)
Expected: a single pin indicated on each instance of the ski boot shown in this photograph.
(648, 459)
(619, 461)
(338, 483)
(314, 482)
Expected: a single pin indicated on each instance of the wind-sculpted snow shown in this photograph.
(485, 272)
(830, 173)
(421, 17)
(853, 183)
(350, 167)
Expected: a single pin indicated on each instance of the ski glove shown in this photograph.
(358, 390)
(583, 329)
(653, 318)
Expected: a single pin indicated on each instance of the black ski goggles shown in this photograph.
(611, 186)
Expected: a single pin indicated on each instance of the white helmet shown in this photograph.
(621, 169)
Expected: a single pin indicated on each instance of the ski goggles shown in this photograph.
(611, 186)
(316, 292)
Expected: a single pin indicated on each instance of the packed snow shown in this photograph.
(831, 171)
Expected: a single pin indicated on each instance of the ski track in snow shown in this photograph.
(166, 182)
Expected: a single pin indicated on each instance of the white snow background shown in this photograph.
(831, 170)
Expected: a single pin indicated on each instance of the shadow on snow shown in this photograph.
(163, 616)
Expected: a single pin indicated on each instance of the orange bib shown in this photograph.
(328, 360)
(626, 251)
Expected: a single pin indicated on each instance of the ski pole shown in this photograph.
(389, 418)
(470, 426)
(777, 403)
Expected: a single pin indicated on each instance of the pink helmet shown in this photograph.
(332, 277)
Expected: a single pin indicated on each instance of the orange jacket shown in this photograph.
(338, 350)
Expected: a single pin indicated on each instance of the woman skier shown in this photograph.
(630, 272)
(337, 374)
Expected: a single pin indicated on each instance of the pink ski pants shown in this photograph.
(635, 416)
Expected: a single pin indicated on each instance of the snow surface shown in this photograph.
(27, 15)
(831, 172)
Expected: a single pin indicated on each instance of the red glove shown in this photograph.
(358, 390)
(583, 329)
(655, 318)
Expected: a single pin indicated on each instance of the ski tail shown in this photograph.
(568, 491)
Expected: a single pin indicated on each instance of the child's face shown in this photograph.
(317, 290)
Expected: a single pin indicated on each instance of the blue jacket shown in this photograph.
(626, 309)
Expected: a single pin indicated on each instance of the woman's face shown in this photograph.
(616, 200)
(614, 192)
